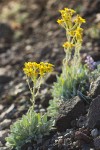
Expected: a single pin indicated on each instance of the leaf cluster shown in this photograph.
(32, 126)
(69, 83)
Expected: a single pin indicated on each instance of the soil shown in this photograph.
(29, 32)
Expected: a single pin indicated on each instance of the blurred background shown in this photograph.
(29, 32)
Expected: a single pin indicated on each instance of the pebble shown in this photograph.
(1, 107)
(42, 110)
(60, 137)
(85, 147)
(97, 143)
(1, 144)
(94, 133)
(29, 148)
(67, 135)
(5, 124)
(81, 136)
(75, 143)
(60, 141)
(3, 135)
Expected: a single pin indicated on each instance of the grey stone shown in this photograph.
(93, 116)
(4, 148)
(1, 108)
(94, 132)
(69, 111)
(5, 124)
(3, 135)
(95, 88)
(3, 115)
(97, 143)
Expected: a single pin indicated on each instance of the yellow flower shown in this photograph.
(60, 21)
(67, 11)
(70, 11)
(78, 34)
(68, 45)
(79, 20)
(28, 72)
(34, 70)
(71, 33)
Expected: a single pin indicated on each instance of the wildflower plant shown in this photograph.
(32, 126)
(74, 75)
(36, 72)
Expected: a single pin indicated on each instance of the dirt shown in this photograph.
(29, 32)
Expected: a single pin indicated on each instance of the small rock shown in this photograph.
(6, 112)
(3, 135)
(1, 144)
(42, 110)
(3, 148)
(60, 141)
(81, 136)
(6, 30)
(67, 135)
(85, 146)
(5, 79)
(5, 124)
(51, 78)
(95, 88)
(30, 148)
(97, 143)
(75, 143)
(69, 111)
(1, 108)
(60, 137)
(93, 115)
(81, 121)
(94, 133)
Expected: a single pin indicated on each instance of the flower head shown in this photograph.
(68, 45)
(79, 20)
(60, 21)
(78, 34)
(67, 11)
(34, 70)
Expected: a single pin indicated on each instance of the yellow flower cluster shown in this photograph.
(34, 70)
(66, 15)
(68, 45)
(73, 30)
(79, 20)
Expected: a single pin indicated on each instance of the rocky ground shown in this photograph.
(29, 32)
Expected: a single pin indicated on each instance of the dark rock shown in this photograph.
(6, 31)
(1, 108)
(5, 79)
(97, 143)
(51, 78)
(3, 135)
(93, 116)
(69, 111)
(85, 146)
(81, 136)
(45, 100)
(81, 121)
(95, 88)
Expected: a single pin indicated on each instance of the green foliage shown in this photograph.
(70, 82)
(52, 110)
(95, 74)
(32, 126)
